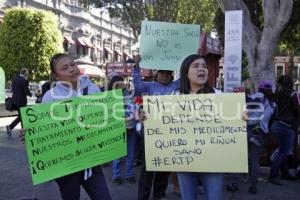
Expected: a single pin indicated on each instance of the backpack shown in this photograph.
(261, 112)
(8, 104)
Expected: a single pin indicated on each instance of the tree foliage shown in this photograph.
(130, 12)
(290, 38)
(28, 38)
(88, 3)
(197, 12)
(183, 11)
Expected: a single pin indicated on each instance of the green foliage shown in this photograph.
(164, 10)
(219, 22)
(197, 12)
(290, 38)
(88, 3)
(245, 73)
(28, 38)
(183, 11)
(130, 12)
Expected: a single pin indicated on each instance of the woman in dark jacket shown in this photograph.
(285, 124)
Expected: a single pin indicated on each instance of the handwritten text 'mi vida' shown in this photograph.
(199, 110)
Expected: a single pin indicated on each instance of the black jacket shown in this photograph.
(20, 91)
(288, 110)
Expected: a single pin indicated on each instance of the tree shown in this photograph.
(290, 38)
(28, 38)
(260, 43)
(182, 11)
(88, 3)
(132, 13)
(197, 12)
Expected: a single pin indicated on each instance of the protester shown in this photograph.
(20, 91)
(233, 179)
(194, 74)
(138, 101)
(258, 127)
(69, 84)
(46, 86)
(285, 124)
(117, 82)
(162, 85)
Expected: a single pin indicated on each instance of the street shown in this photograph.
(15, 182)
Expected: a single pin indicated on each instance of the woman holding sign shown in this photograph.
(193, 74)
(70, 84)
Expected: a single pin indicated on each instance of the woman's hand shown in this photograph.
(142, 116)
(137, 60)
(22, 135)
(245, 115)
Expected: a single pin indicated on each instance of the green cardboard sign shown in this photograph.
(71, 135)
(164, 45)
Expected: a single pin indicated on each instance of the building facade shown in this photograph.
(91, 37)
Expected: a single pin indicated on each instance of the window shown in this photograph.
(105, 54)
(116, 56)
(93, 54)
(279, 70)
(85, 51)
(295, 72)
(82, 50)
(100, 55)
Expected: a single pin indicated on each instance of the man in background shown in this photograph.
(20, 91)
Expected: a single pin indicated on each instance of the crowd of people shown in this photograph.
(279, 118)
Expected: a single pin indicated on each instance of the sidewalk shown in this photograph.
(6, 113)
(15, 181)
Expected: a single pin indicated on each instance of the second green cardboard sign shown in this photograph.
(68, 136)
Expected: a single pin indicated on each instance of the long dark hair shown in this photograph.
(113, 81)
(284, 89)
(268, 94)
(184, 80)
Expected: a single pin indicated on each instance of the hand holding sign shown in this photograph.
(137, 60)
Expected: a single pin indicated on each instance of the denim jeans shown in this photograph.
(212, 182)
(95, 186)
(131, 141)
(285, 136)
